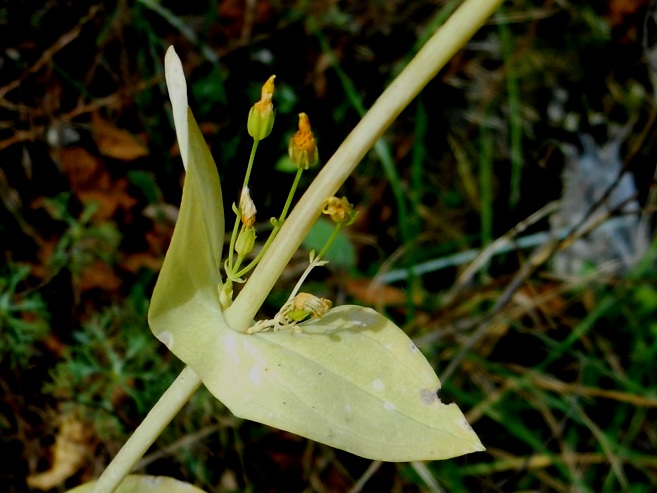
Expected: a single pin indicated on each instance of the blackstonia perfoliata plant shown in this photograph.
(345, 376)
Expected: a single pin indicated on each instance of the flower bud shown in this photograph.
(261, 116)
(302, 147)
(245, 241)
(340, 210)
(247, 208)
(226, 294)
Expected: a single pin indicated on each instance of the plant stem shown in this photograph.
(453, 35)
(155, 421)
(231, 249)
(247, 176)
(330, 241)
(315, 261)
(290, 195)
(261, 253)
(233, 237)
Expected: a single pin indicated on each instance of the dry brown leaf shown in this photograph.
(136, 261)
(79, 166)
(69, 454)
(113, 196)
(41, 268)
(372, 293)
(158, 240)
(99, 275)
(115, 142)
(620, 10)
(91, 182)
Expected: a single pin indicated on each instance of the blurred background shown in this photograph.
(505, 223)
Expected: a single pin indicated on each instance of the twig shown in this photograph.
(503, 244)
(185, 441)
(547, 382)
(423, 471)
(367, 475)
(613, 459)
(46, 56)
(80, 109)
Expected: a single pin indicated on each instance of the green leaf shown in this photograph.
(136, 483)
(341, 254)
(352, 380)
(185, 301)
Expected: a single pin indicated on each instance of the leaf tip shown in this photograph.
(177, 86)
(477, 446)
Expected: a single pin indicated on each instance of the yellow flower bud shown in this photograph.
(340, 210)
(261, 116)
(302, 147)
(247, 208)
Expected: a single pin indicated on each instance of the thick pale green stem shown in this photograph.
(157, 419)
(452, 36)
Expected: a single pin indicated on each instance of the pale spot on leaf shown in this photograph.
(389, 406)
(166, 338)
(428, 397)
(378, 385)
(255, 375)
(232, 350)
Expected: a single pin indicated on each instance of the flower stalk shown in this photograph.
(303, 152)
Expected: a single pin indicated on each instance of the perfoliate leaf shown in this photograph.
(351, 379)
(186, 292)
(136, 483)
